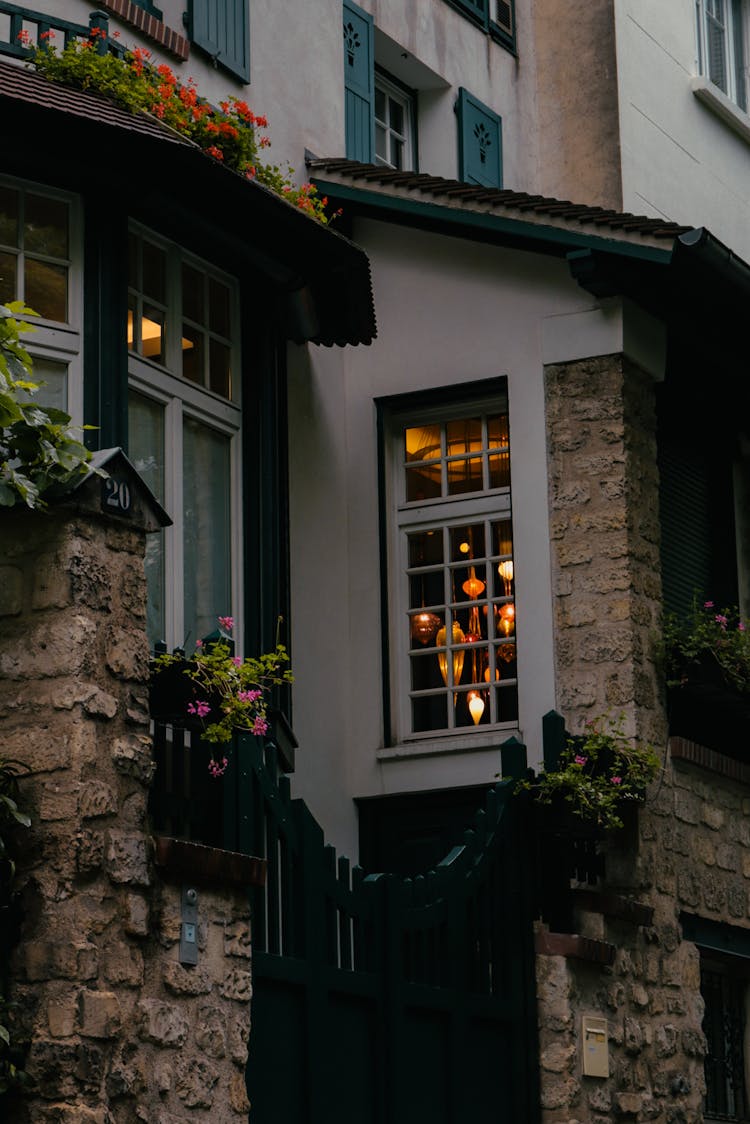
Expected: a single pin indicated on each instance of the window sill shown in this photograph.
(435, 746)
(731, 114)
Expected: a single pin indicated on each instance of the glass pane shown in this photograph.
(219, 368)
(505, 661)
(131, 322)
(507, 704)
(206, 529)
(423, 629)
(429, 713)
(465, 476)
(397, 116)
(397, 153)
(423, 483)
(53, 379)
(46, 226)
(146, 451)
(192, 294)
(154, 272)
(426, 548)
(502, 533)
(8, 217)
(467, 542)
(425, 673)
(472, 709)
(46, 289)
(152, 333)
(497, 431)
(422, 442)
(192, 353)
(426, 589)
(219, 308)
(8, 286)
(499, 470)
(380, 104)
(381, 143)
(464, 436)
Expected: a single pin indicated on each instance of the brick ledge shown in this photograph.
(196, 862)
(682, 749)
(150, 26)
(573, 946)
(613, 905)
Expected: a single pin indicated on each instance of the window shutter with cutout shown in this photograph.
(503, 18)
(480, 142)
(359, 76)
(222, 29)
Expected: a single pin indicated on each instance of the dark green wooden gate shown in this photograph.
(383, 1000)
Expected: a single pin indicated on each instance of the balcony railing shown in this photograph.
(15, 20)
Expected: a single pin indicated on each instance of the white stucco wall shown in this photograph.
(449, 312)
(679, 159)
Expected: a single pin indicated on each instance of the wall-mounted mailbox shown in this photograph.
(595, 1047)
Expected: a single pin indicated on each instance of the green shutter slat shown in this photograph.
(359, 77)
(504, 17)
(480, 142)
(222, 29)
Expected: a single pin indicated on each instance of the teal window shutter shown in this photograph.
(222, 29)
(480, 142)
(359, 77)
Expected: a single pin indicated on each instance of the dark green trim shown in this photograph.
(715, 936)
(150, 8)
(388, 738)
(105, 356)
(482, 226)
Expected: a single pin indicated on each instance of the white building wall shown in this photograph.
(679, 158)
(449, 312)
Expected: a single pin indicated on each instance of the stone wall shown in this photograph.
(119, 1029)
(689, 849)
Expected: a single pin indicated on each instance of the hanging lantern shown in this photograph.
(424, 626)
(505, 570)
(476, 706)
(473, 586)
(487, 674)
(457, 637)
(508, 617)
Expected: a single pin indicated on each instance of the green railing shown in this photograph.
(38, 24)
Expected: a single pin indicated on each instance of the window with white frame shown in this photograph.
(721, 33)
(394, 125)
(184, 426)
(39, 252)
(451, 576)
(725, 992)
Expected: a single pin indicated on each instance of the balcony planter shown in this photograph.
(712, 715)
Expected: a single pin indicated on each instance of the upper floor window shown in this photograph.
(495, 16)
(35, 248)
(451, 577)
(721, 46)
(724, 988)
(394, 124)
(184, 434)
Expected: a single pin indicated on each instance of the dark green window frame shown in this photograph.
(150, 8)
(496, 17)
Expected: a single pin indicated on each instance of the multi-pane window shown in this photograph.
(454, 628)
(38, 241)
(721, 46)
(394, 116)
(184, 422)
(725, 994)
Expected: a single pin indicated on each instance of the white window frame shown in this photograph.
(181, 398)
(407, 102)
(732, 35)
(61, 341)
(404, 517)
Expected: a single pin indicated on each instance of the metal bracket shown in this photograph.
(189, 926)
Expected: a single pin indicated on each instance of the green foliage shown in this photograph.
(598, 773)
(234, 692)
(710, 644)
(38, 451)
(11, 817)
(228, 134)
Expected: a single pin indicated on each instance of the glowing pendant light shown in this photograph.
(457, 637)
(476, 707)
(424, 626)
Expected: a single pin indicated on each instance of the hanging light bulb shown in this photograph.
(487, 674)
(457, 637)
(424, 626)
(473, 586)
(505, 570)
(507, 617)
(476, 706)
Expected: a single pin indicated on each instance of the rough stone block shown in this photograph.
(11, 591)
(59, 646)
(628, 1104)
(96, 799)
(210, 1032)
(238, 1094)
(686, 807)
(195, 1082)
(123, 964)
(61, 1015)
(666, 1039)
(186, 981)
(557, 1057)
(713, 817)
(58, 800)
(237, 939)
(90, 580)
(89, 851)
(238, 1036)
(100, 704)
(127, 654)
(237, 985)
(136, 919)
(99, 1014)
(51, 960)
(633, 1036)
(50, 1066)
(133, 757)
(127, 860)
(51, 585)
(162, 1023)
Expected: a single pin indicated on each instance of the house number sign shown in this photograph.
(116, 498)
